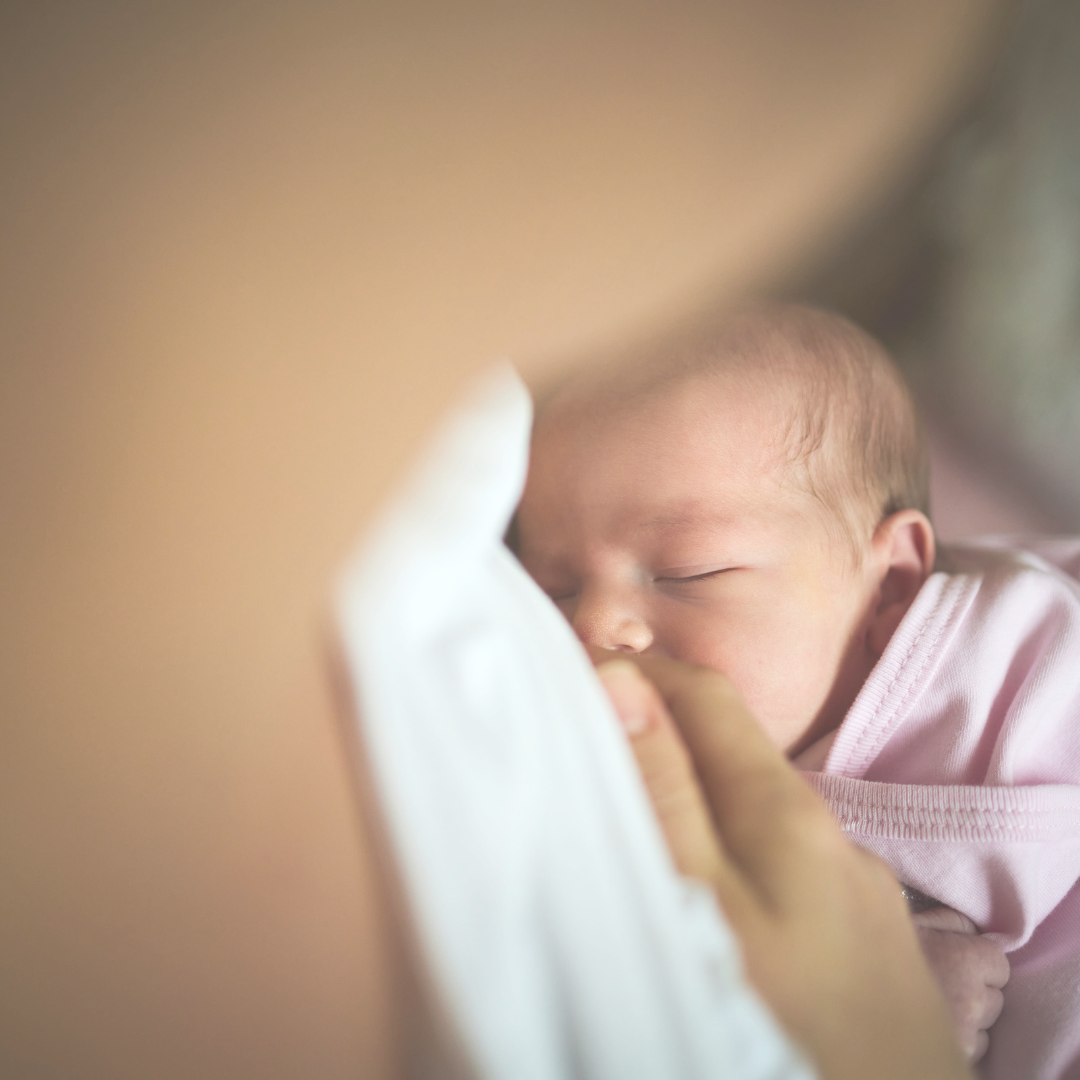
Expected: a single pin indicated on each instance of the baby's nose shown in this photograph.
(610, 619)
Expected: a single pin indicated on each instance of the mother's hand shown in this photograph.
(826, 935)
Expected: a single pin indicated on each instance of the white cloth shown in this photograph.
(559, 938)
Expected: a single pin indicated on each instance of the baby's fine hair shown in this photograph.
(852, 435)
(853, 431)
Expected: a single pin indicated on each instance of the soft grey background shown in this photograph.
(972, 277)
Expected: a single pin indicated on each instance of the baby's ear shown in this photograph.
(903, 553)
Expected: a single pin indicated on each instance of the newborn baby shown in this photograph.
(755, 500)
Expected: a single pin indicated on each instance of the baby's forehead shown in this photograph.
(691, 419)
(686, 404)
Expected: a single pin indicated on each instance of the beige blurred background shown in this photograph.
(248, 251)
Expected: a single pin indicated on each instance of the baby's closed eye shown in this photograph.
(688, 574)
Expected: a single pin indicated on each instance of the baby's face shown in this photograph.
(667, 529)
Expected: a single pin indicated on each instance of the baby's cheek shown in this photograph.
(696, 636)
(722, 644)
(782, 667)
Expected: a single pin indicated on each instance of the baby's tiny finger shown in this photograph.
(944, 918)
(993, 1003)
(977, 1051)
(998, 969)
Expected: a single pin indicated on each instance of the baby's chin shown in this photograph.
(791, 733)
(797, 712)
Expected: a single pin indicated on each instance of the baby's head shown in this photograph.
(754, 500)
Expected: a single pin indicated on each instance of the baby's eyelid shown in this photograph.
(691, 574)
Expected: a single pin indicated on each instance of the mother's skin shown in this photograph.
(247, 253)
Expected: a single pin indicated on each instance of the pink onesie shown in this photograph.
(959, 764)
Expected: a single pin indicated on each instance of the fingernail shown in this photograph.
(628, 692)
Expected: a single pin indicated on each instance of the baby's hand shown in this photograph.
(970, 969)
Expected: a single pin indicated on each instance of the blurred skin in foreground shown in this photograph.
(248, 253)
